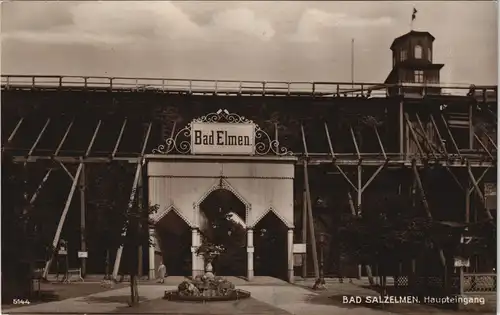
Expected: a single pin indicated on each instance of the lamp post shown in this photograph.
(320, 283)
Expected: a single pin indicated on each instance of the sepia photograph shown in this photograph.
(249, 157)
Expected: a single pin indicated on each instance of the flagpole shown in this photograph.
(413, 17)
(352, 63)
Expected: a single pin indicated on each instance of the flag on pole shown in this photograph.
(414, 14)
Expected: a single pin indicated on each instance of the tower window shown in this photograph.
(429, 54)
(404, 55)
(419, 76)
(418, 52)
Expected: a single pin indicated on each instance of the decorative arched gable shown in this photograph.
(222, 183)
(272, 209)
(172, 207)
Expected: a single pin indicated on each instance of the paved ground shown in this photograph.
(269, 296)
(54, 291)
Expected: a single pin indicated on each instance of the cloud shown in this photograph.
(243, 40)
(314, 21)
(101, 22)
(243, 21)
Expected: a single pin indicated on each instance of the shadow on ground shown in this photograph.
(119, 299)
(246, 306)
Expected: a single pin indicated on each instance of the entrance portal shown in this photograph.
(174, 237)
(270, 239)
(222, 222)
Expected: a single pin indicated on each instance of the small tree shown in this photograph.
(388, 231)
(108, 200)
(136, 225)
(121, 221)
(22, 242)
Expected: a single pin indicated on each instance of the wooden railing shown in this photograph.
(478, 282)
(234, 87)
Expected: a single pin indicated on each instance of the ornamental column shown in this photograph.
(290, 255)
(194, 244)
(197, 265)
(250, 250)
(151, 255)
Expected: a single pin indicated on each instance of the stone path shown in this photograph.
(269, 296)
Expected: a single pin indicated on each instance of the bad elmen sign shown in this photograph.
(223, 138)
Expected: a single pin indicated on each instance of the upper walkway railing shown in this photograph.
(234, 87)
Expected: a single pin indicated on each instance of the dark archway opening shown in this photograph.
(270, 241)
(174, 236)
(223, 216)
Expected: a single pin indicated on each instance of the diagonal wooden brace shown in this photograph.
(137, 176)
(379, 169)
(414, 135)
(478, 192)
(63, 218)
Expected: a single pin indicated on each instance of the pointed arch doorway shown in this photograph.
(174, 240)
(222, 219)
(271, 247)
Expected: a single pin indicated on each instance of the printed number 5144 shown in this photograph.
(21, 302)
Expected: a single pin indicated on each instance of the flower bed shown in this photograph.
(204, 289)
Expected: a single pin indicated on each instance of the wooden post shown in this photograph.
(83, 243)
(467, 192)
(359, 190)
(467, 203)
(140, 195)
(471, 129)
(401, 128)
(358, 203)
(304, 232)
(311, 223)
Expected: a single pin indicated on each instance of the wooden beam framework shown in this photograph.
(312, 232)
(423, 198)
(46, 177)
(13, 133)
(133, 192)
(62, 219)
(480, 195)
(39, 137)
(118, 141)
(483, 146)
(450, 134)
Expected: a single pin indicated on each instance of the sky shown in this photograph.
(248, 40)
